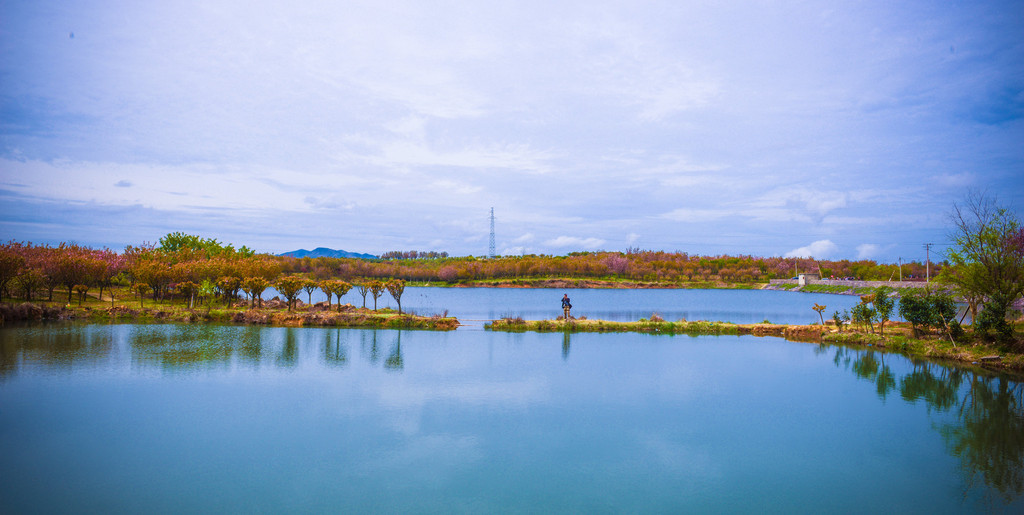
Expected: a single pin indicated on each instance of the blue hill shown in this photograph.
(326, 252)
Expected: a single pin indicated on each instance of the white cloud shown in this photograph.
(717, 130)
(956, 180)
(867, 250)
(572, 241)
(821, 249)
(513, 251)
(695, 215)
(526, 238)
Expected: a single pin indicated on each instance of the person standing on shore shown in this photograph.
(566, 305)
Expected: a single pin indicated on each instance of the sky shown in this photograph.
(832, 129)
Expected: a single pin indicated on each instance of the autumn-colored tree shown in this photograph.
(325, 286)
(229, 286)
(376, 289)
(396, 287)
(339, 288)
(11, 263)
(819, 309)
(363, 288)
(264, 267)
(310, 286)
(289, 286)
(142, 289)
(72, 267)
(188, 291)
(153, 271)
(111, 264)
(254, 287)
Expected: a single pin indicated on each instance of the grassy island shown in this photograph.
(897, 337)
(274, 313)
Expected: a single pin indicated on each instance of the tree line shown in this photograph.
(200, 267)
(190, 267)
(668, 268)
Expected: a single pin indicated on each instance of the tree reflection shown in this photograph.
(394, 360)
(251, 344)
(990, 438)
(374, 350)
(289, 355)
(334, 351)
(987, 430)
(64, 347)
(174, 347)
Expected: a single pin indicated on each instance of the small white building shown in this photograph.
(805, 279)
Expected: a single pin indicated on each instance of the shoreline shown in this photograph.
(348, 316)
(896, 337)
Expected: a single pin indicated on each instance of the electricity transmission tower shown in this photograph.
(490, 249)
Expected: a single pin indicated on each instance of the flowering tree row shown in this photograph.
(27, 269)
(195, 267)
(190, 267)
(649, 266)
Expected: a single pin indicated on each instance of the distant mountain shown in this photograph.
(325, 252)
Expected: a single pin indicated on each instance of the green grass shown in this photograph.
(825, 288)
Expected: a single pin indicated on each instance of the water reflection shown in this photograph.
(335, 352)
(179, 347)
(57, 348)
(978, 415)
(289, 354)
(986, 428)
(394, 361)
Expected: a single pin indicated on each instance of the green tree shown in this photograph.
(986, 261)
(916, 310)
(865, 315)
(189, 243)
(28, 281)
(884, 305)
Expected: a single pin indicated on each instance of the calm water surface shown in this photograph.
(474, 305)
(184, 418)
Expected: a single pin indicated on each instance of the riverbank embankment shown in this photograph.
(849, 286)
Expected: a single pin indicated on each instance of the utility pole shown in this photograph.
(901, 268)
(927, 262)
(490, 250)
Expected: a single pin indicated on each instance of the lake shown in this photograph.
(473, 306)
(201, 418)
